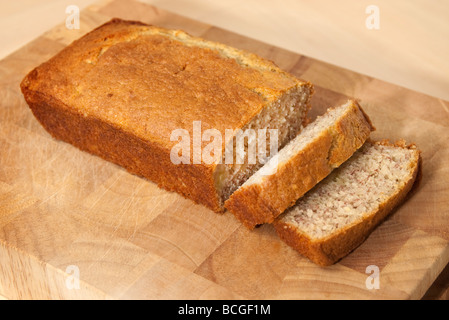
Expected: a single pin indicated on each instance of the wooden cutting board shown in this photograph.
(67, 215)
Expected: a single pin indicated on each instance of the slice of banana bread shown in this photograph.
(122, 90)
(307, 159)
(337, 215)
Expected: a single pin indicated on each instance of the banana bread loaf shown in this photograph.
(122, 90)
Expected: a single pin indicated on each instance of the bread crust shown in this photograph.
(120, 91)
(260, 203)
(331, 249)
(143, 158)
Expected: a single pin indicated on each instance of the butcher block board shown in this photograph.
(67, 215)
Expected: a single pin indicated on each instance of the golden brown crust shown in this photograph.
(120, 91)
(333, 248)
(143, 158)
(129, 74)
(259, 203)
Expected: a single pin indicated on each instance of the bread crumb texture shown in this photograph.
(354, 191)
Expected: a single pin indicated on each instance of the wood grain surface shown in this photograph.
(61, 208)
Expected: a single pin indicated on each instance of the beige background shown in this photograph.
(410, 49)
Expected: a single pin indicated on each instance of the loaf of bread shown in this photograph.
(337, 215)
(307, 159)
(123, 90)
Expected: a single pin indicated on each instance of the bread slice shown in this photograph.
(338, 214)
(122, 90)
(322, 146)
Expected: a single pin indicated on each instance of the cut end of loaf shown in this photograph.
(313, 131)
(338, 214)
(287, 115)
